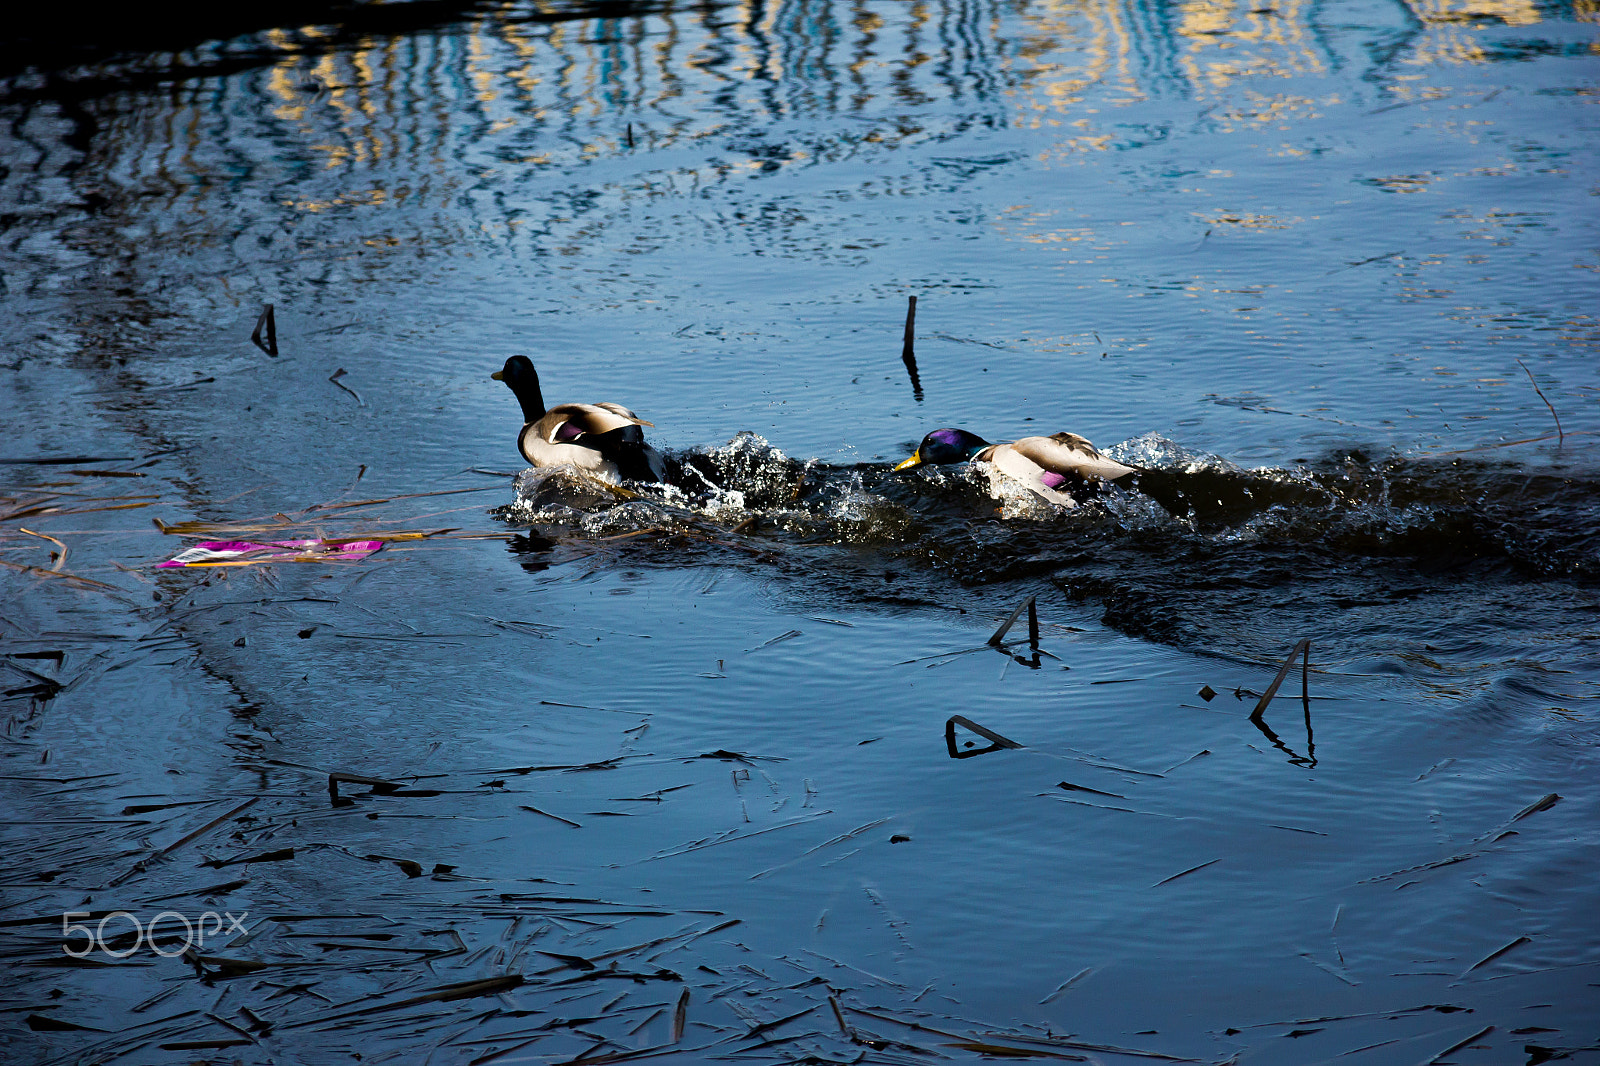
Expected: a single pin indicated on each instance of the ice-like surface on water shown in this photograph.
(1325, 270)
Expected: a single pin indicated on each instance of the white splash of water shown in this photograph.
(1153, 451)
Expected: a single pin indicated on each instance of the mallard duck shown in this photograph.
(601, 439)
(1045, 465)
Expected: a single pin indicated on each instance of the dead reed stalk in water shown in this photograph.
(1011, 620)
(265, 336)
(908, 354)
(1301, 650)
(1561, 436)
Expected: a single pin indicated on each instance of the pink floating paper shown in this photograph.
(243, 552)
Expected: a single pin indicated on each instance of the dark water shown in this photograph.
(1324, 272)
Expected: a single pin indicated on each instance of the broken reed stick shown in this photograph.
(557, 817)
(1542, 804)
(61, 558)
(908, 354)
(1302, 650)
(1459, 1044)
(907, 351)
(680, 1015)
(987, 734)
(334, 377)
(488, 986)
(144, 863)
(1011, 620)
(72, 579)
(1184, 873)
(1561, 436)
(377, 784)
(265, 336)
(1495, 954)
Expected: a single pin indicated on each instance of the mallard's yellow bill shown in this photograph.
(915, 460)
(497, 376)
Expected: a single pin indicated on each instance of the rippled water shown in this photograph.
(1323, 272)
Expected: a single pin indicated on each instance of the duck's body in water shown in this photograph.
(603, 440)
(1051, 467)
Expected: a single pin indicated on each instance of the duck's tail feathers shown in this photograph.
(625, 446)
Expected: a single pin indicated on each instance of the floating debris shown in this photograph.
(144, 863)
(281, 855)
(1002, 1051)
(779, 639)
(1495, 954)
(71, 579)
(680, 1015)
(248, 552)
(556, 817)
(996, 741)
(1543, 804)
(1184, 873)
(335, 376)
(68, 460)
(1458, 1045)
(1068, 983)
(1070, 787)
(376, 784)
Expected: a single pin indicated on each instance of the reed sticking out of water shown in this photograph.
(996, 741)
(337, 374)
(265, 336)
(1302, 651)
(1561, 436)
(908, 354)
(1011, 620)
(680, 1015)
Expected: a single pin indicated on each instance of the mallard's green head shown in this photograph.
(945, 446)
(523, 381)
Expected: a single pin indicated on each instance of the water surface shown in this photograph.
(1325, 273)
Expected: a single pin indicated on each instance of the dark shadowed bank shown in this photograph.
(1291, 759)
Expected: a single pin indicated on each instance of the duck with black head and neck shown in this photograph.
(601, 439)
(1051, 467)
